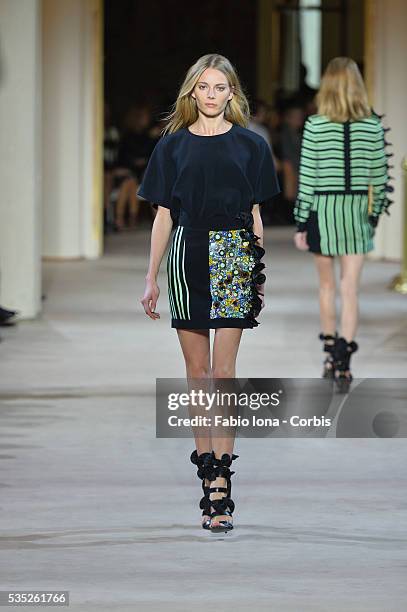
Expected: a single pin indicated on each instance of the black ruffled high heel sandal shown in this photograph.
(223, 505)
(342, 354)
(329, 346)
(204, 463)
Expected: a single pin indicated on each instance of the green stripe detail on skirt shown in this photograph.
(177, 285)
(343, 224)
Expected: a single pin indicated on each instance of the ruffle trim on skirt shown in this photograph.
(257, 277)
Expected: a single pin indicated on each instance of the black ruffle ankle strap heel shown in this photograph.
(204, 463)
(223, 506)
(342, 355)
(328, 347)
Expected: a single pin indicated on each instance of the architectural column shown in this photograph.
(72, 128)
(20, 156)
(385, 58)
(267, 47)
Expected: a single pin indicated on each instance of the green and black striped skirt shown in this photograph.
(338, 224)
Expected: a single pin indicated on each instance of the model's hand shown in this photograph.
(300, 241)
(150, 299)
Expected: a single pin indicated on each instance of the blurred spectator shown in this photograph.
(306, 94)
(134, 151)
(258, 119)
(273, 123)
(110, 151)
(291, 132)
(7, 317)
(259, 124)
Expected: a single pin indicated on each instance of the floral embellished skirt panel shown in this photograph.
(213, 278)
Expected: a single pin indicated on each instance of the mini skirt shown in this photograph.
(338, 224)
(213, 276)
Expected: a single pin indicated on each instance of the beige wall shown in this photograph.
(20, 156)
(51, 127)
(72, 128)
(386, 60)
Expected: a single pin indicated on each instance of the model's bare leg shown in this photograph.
(225, 349)
(351, 267)
(196, 350)
(326, 273)
(327, 292)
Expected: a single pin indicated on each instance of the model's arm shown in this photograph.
(257, 223)
(306, 183)
(160, 234)
(307, 176)
(380, 176)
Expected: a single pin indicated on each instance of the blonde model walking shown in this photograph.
(343, 154)
(209, 174)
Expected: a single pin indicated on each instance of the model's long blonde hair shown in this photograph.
(184, 110)
(342, 95)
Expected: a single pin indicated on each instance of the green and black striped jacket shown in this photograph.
(343, 159)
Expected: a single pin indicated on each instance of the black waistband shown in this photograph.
(241, 220)
(215, 228)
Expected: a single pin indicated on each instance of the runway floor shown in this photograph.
(93, 503)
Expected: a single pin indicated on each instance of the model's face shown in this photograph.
(212, 92)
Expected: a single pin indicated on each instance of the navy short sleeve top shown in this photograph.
(206, 180)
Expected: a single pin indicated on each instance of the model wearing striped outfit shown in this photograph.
(343, 152)
(338, 162)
